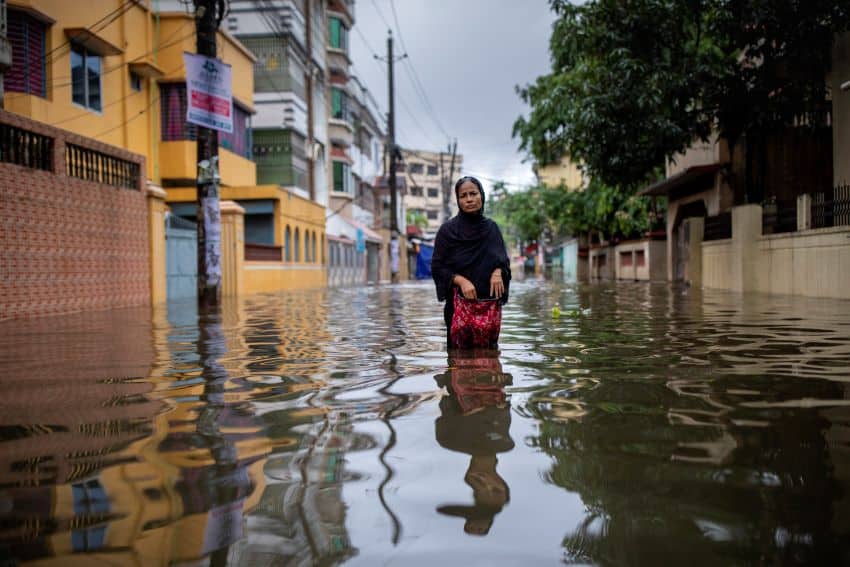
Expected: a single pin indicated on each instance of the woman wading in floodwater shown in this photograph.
(471, 270)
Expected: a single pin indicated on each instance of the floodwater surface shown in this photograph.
(645, 425)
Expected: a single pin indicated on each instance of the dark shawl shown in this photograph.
(472, 246)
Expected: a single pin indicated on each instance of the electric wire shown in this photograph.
(414, 76)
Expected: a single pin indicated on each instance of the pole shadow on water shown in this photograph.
(475, 419)
(396, 340)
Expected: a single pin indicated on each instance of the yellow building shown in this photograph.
(112, 70)
(566, 172)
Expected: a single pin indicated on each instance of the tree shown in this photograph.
(633, 83)
(415, 217)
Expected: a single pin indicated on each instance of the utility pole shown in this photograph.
(391, 128)
(208, 14)
(393, 150)
(450, 177)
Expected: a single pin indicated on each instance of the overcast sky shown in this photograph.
(469, 55)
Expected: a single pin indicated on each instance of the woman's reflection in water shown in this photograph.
(475, 419)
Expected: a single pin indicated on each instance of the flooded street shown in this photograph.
(646, 425)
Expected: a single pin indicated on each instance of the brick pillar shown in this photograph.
(232, 248)
(156, 230)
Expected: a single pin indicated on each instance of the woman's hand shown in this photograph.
(497, 286)
(466, 287)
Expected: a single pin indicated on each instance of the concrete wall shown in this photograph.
(70, 244)
(601, 263)
(814, 263)
(644, 260)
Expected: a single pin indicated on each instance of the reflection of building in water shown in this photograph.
(475, 419)
(105, 459)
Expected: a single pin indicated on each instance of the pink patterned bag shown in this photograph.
(475, 323)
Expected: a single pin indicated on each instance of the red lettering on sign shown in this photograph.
(210, 103)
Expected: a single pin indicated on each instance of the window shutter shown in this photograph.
(15, 77)
(35, 52)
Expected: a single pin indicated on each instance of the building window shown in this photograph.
(339, 104)
(287, 245)
(324, 259)
(238, 141)
(338, 34)
(399, 168)
(416, 168)
(433, 215)
(432, 170)
(136, 82)
(172, 102)
(342, 177)
(172, 98)
(297, 245)
(85, 78)
(27, 37)
(416, 191)
(433, 192)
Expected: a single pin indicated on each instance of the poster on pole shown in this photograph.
(209, 95)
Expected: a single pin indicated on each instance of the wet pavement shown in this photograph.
(646, 425)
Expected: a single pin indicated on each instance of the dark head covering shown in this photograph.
(472, 246)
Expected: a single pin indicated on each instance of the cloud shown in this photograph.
(469, 55)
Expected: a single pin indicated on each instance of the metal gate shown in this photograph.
(181, 257)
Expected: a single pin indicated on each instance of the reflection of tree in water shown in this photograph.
(475, 419)
(684, 466)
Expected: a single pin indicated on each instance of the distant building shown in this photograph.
(566, 172)
(430, 186)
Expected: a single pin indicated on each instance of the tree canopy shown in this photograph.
(635, 82)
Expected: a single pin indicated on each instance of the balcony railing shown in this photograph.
(25, 148)
(718, 227)
(831, 208)
(92, 165)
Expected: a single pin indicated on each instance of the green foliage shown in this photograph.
(558, 212)
(415, 217)
(633, 83)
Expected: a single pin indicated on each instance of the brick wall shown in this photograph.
(67, 244)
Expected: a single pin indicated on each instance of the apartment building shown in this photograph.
(429, 180)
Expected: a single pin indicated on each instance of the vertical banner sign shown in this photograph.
(209, 96)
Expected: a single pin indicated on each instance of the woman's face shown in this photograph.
(469, 197)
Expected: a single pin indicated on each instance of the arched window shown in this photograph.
(324, 260)
(306, 245)
(314, 247)
(297, 245)
(287, 245)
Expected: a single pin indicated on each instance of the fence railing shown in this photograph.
(262, 252)
(831, 208)
(25, 148)
(92, 165)
(718, 227)
(778, 216)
